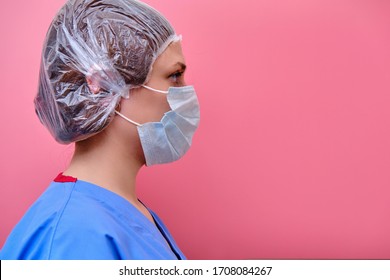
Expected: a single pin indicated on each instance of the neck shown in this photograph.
(106, 164)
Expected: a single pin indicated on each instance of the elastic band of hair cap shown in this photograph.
(127, 119)
(171, 39)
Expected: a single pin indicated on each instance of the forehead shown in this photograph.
(171, 56)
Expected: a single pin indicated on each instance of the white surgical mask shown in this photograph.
(169, 139)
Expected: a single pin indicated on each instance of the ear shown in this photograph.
(93, 84)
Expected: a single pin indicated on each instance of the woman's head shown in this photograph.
(95, 52)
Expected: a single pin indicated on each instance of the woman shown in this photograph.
(112, 81)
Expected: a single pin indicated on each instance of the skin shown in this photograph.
(113, 158)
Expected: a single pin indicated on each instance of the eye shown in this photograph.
(177, 77)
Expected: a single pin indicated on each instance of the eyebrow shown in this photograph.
(181, 65)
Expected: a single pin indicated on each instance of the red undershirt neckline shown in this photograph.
(61, 178)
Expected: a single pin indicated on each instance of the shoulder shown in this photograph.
(86, 229)
(62, 224)
(30, 237)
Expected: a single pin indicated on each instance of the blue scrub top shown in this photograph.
(79, 220)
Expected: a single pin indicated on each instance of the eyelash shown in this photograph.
(176, 76)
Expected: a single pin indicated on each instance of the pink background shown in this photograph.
(292, 156)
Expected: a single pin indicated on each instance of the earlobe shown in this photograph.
(118, 106)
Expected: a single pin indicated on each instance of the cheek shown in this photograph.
(153, 107)
(160, 108)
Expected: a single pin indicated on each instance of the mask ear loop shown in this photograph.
(117, 111)
(131, 121)
(156, 90)
(127, 119)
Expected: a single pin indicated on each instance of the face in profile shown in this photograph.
(167, 71)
